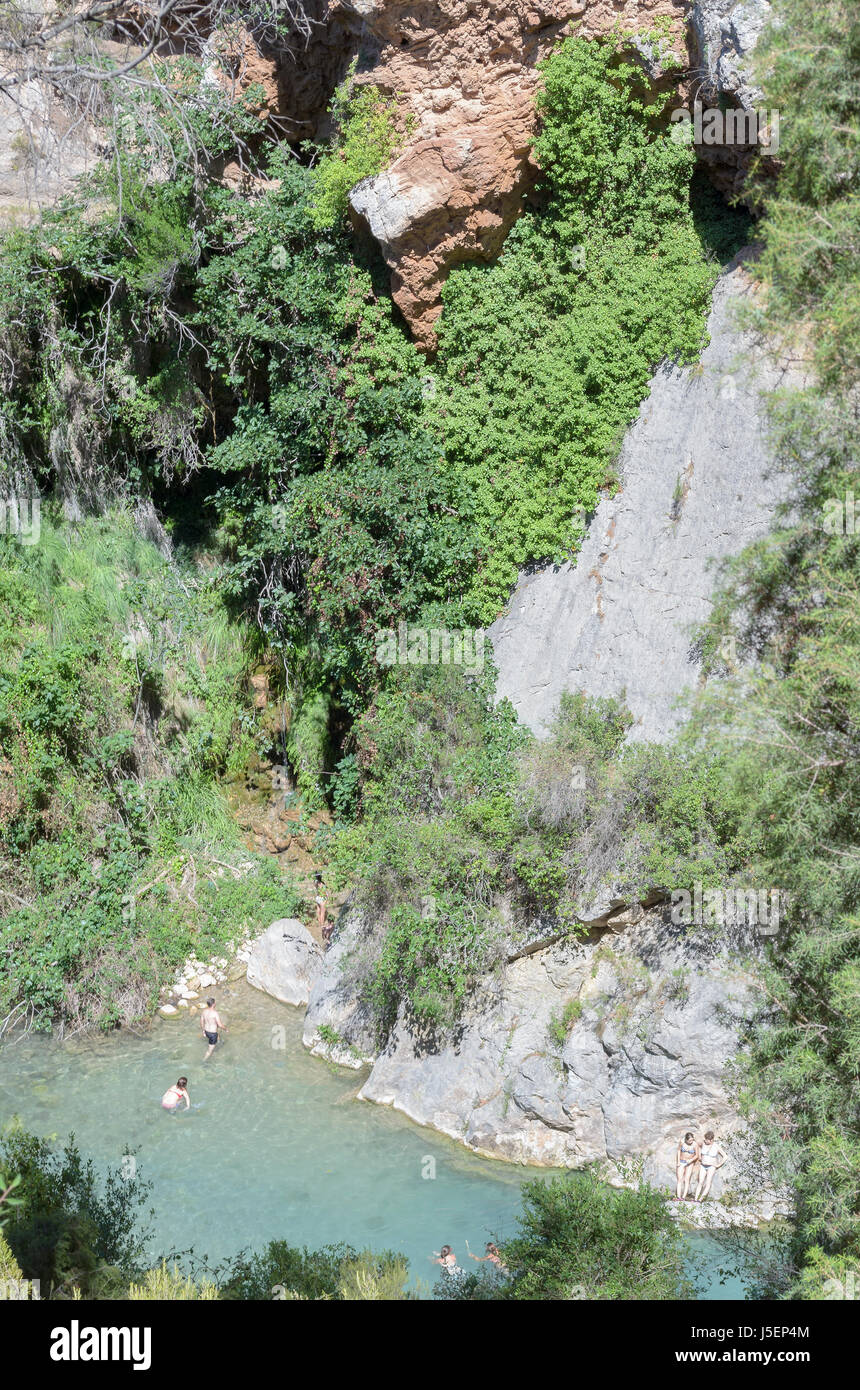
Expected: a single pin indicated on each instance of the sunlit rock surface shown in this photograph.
(697, 485)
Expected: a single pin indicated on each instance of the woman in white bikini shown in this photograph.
(685, 1163)
(175, 1095)
(711, 1156)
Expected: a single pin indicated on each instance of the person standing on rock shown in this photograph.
(326, 927)
(685, 1162)
(711, 1156)
(211, 1022)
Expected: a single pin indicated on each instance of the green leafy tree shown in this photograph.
(580, 1239)
(71, 1227)
(337, 518)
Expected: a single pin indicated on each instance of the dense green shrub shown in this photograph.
(123, 700)
(71, 1226)
(561, 1022)
(96, 365)
(283, 1271)
(581, 1239)
(365, 139)
(811, 225)
(336, 517)
(9, 1267)
(463, 811)
(611, 278)
(169, 1285)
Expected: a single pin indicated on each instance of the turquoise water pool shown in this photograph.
(275, 1145)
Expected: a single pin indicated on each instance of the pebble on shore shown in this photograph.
(196, 976)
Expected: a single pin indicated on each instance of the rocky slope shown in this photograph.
(696, 486)
(603, 1048)
(653, 1015)
(468, 73)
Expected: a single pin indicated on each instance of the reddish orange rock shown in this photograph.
(467, 71)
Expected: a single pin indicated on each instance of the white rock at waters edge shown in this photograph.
(285, 961)
(658, 1011)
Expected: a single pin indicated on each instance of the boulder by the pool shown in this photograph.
(284, 961)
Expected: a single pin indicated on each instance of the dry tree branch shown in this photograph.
(65, 72)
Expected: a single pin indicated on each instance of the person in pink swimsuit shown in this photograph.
(173, 1098)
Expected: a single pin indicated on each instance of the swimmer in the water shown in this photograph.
(173, 1098)
(448, 1260)
(492, 1255)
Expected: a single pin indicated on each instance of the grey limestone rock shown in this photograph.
(696, 486)
(654, 1014)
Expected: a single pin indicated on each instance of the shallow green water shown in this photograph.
(275, 1145)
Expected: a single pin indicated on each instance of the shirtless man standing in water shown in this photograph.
(211, 1022)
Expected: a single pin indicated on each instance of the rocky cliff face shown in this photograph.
(467, 71)
(724, 35)
(604, 1049)
(43, 151)
(696, 486)
(653, 1015)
